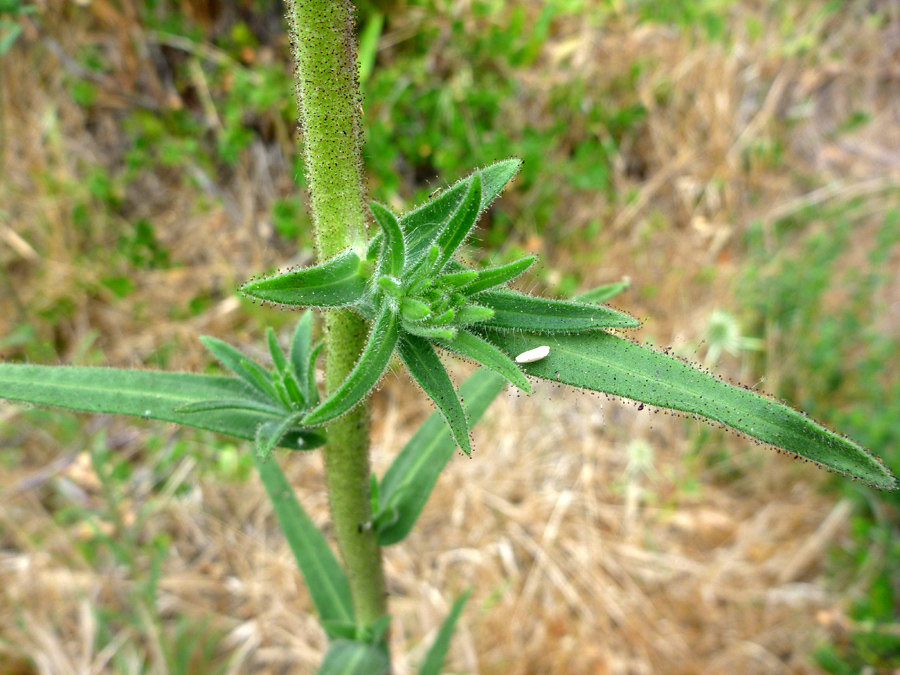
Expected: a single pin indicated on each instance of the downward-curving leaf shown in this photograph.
(372, 363)
(426, 368)
(434, 659)
(409, 480)
(346, 657)
(147, 394)
(611, 364)
(515, 311)
(324, 576)
(333, 283)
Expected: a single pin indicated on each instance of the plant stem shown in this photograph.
(324, 50)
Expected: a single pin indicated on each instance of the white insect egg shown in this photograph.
(533, 355)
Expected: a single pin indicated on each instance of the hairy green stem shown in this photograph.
(324, 50)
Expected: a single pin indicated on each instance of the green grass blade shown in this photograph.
(423, 223)
(434, 659)
(323, 574)
(368, 370)
(345, 657)
(426, 369)
(501, 274)
(411, 477)
(606, 363)
(335, 283)
(147, 394)
(515, 311)
(393, 249)
(460, 223)
(487, 354)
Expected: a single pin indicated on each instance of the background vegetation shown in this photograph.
(732, 158)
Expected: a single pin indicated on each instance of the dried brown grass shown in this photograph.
(578, 565)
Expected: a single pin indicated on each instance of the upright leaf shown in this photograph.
(460, 223)
(610, 364)
(278, 358)
(249, 371)
(393, 250)
(426, 368)
(323, 574)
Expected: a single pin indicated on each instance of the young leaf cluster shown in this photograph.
(283, 395)
(419, 297)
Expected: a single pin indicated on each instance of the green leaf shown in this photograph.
(373, 361)
(422, 224)
(460, 223)
(409, 480)
(515, 311)
(501, 274)
(426, 368)
(324, 576)
(603, 294)
(345, 657)
(278, 358)
(301, 346)
(230, 404)
(434, 659)
(487, 354)
(269, 434)
(337, 282)
(468, 314)
(393, 250)
(147, 394)
(610, 364)
(241, 366)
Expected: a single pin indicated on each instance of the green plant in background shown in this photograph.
(11, 12)
(401, 290)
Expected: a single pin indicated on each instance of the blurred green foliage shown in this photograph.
(829, 330)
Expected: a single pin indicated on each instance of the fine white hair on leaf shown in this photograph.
(533, 355)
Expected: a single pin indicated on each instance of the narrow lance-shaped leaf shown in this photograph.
(460, 223)
(278, 358)
(515, 311)
(393, 250)
(301, 346)
(603, 293)
(423, 223)
(334, 283)
(610, 364)
(487, 354)
(147, 394)
(426, 369)
(323, 574)
(241, 366)
(412, 475)
(501, 274)
(434, 659)
(372, 363)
